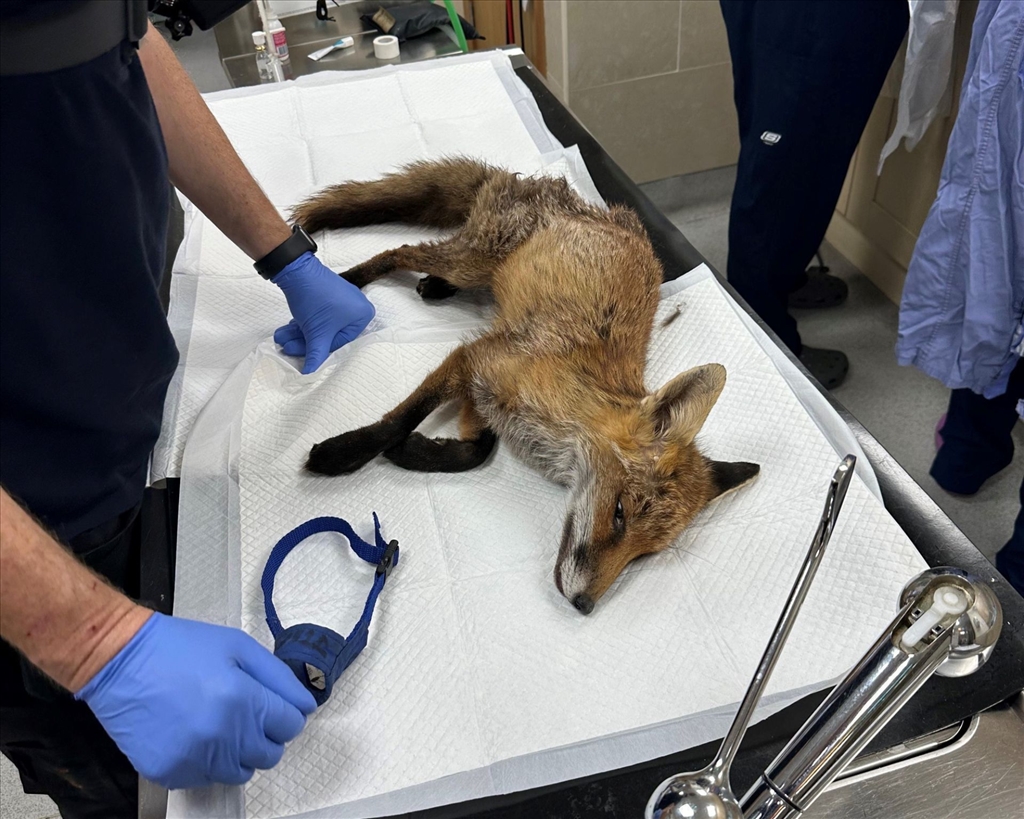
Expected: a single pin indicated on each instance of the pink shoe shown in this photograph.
(938, 432)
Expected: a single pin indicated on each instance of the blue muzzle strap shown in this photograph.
(315, 654)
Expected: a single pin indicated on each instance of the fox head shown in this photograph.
(639, 483)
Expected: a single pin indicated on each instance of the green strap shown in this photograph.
(457, 26)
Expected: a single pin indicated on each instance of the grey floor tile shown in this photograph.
(898, 405)
(698, 204)
(14, 803)
(695, 196)
(710, 235)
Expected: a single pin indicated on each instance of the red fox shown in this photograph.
(559, 376)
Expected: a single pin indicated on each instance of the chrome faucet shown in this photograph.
(707, 793)
(948, 625)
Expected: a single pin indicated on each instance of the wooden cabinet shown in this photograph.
(507, 22)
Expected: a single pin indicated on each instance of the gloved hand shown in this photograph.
(191, 703)
(328, 311)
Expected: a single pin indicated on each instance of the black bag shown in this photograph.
(414, 20)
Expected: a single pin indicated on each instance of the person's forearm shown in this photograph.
(66, 620)
(203, 165)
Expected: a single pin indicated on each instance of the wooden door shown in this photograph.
(508, 22)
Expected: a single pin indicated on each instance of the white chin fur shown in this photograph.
(573, 580)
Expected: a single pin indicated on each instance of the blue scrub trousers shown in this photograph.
(806, 76)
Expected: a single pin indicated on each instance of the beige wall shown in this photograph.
(554, 33)
(651, 79)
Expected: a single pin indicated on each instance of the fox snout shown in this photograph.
(581, 580)
(582, 602)
(572, 571)
(600, 539)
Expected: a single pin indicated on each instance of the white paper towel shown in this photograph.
(479, 678)
(327, 128)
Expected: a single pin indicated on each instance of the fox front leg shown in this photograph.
(352, 450)
(419, 453)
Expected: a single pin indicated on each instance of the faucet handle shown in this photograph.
(977, 626)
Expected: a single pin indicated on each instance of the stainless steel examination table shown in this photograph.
(957, 748)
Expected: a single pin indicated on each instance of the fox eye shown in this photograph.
(620, 515)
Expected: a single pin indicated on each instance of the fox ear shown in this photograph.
(729, 475)
(680, 408)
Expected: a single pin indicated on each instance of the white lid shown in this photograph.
(259, 38)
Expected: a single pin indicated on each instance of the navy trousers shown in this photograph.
(58, 746)
(1010, 559)
(806, 76)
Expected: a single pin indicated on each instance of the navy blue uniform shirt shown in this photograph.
(85, 351)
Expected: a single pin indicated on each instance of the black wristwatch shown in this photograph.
(285, 253)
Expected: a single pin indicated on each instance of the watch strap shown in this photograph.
(285, 253)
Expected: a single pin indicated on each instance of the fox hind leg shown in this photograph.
(421, 454)
(434, 288)
(451, 262)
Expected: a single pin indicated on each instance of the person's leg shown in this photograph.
(806, 78)
(977, 437)
(1010, 559)
(56, 743)
(62, 751)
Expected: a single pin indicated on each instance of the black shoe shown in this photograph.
(819, 291)
(828, 366)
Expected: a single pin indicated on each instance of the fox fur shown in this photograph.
(559, 376)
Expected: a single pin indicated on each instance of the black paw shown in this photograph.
(345, 453)
(434, 288)
(421, 454)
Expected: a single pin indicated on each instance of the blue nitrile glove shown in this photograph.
(329, 312)
(191, 703)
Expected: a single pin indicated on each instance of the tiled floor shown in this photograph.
(15, 804)
(899, 405)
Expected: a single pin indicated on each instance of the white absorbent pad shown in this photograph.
(479, 678)
(331, 127)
